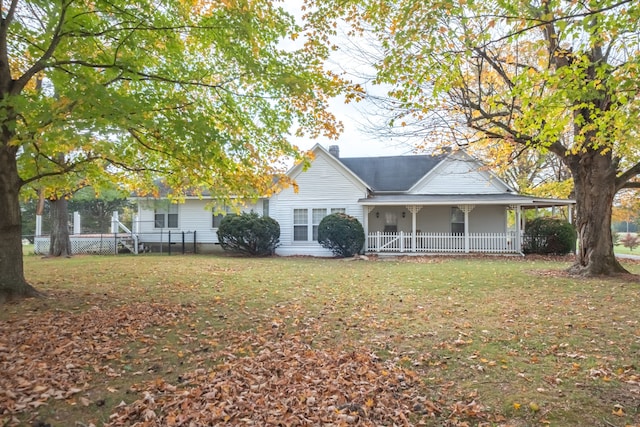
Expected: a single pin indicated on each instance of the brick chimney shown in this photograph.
(335, 151)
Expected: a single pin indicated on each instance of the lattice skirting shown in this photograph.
(103, 245)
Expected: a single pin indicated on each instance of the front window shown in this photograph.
(390, 222)
(457, 221)
(318, 214)
(300, 225)
(217, 213)
(216, 218)
(166, 217)
(307, 221)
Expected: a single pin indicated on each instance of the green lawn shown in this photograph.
(619, 249)
(437, 341)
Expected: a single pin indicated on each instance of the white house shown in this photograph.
(447, 203)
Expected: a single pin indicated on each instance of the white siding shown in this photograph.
(459, 176)
(434, 219)
(323, 185)
(487, 219)
(193, 215)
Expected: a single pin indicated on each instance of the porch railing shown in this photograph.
(442, 242)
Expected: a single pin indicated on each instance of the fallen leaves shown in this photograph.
(265, 378)
(53, 354)
(286, 382)
(264, 340)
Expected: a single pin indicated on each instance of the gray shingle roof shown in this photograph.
(391, 173)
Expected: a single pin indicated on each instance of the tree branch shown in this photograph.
(543, 23)
(41, 63)
(5, 66)
(148, 76)
(64, 168)
(495, 65)
(134, 133)
(625, 178)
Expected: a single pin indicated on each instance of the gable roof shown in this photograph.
(335, 161)
(391, 173)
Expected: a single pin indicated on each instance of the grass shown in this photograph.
(531, 345)
(620, 249)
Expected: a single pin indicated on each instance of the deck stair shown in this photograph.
(128, 239)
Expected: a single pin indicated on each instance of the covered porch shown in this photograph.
(491, 224)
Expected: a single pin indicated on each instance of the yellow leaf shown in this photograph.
(516, 406)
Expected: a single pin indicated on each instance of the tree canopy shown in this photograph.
(203, 94)
(200, 93)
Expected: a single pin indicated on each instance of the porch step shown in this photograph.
(128, 243)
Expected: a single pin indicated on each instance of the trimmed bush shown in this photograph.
(249, 233)
(549, 236)
(341, 233)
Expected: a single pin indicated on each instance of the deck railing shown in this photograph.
(442, 242)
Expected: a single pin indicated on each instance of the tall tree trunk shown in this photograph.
(60, 243)
(594, 177)
(12, 282)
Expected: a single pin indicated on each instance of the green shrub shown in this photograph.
(549, 236)
(249, 234)
(341, 233)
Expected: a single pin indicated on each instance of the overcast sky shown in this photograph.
(356, 140)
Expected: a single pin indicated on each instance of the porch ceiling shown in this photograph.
(462, 199)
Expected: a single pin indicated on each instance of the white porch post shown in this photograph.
(114, 222)
(519, 228)
(77, 228)
(466, 209)
(414, 212)
(366, 210)
(38, 225)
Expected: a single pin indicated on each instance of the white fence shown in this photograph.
(103, 244)
(442, 242)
